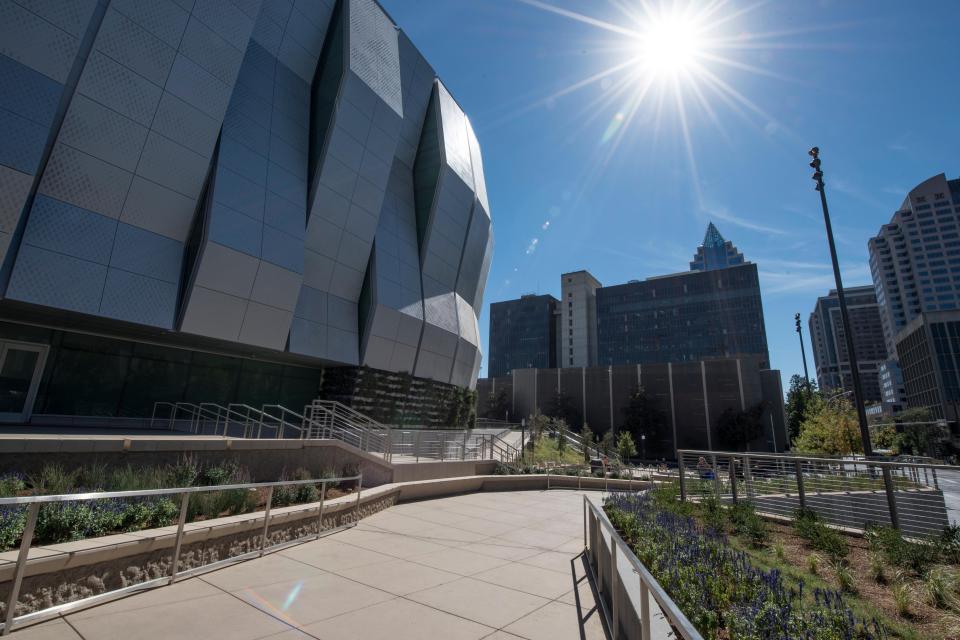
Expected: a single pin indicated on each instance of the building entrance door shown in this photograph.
(21, 366)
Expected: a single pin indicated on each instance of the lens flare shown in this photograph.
(670, 44)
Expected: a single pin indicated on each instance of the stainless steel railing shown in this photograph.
(849, 493)
(323, 419)
(34, 503)
(606, 553)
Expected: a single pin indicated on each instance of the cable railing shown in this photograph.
(849, 493)
(624, 585)
(34, 504)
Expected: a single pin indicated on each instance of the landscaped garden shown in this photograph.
(738, 576)
(65, 521)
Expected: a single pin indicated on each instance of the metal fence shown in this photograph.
(33, 505)
(624, 585)
(850, 493)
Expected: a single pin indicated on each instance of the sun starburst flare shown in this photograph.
(676, 59)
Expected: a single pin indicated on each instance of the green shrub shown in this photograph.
(916, 556)
(877, 568)
(185, 473)
(714, 515)
(807, 525)
(813, 564)
(902, 598)
(950, 544)
(12, 522)
(54, 479)
(939, 588)
(746, 523)
(12, 485)
(845, 579)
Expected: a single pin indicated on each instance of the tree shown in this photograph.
(563, 408)
(799, 397)
(586, 435)
(831, 428)
(626, 446)
(537, 423)
(498, 405)
(607, 443)
(561, 427)
(738, 428)
(641, 417)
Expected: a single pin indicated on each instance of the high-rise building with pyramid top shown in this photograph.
(715, 252)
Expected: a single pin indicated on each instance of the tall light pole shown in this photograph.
(845, 317)
(803, 352)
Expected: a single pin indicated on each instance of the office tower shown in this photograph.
(715, 252)
(929, 349)
(829, 342)
(212, 200)
(523, 334)
(915, 258)
(578, 319)
(687, 316)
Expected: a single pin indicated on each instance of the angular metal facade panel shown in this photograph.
(243, 170)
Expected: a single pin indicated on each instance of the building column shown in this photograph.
(673, 414)
(583, 378)
(613, 429)
(706, 406)
(743, 404)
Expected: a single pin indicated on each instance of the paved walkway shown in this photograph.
(498, 566)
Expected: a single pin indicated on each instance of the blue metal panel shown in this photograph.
(28, 93)
(21, 142)
(282, 250)
(286, 216)
(68, 229)
(147, 253)
(235, 230)
(55, 280)
(238, 193)
(136, 298)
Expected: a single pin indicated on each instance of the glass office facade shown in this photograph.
(684, 317)
(523, 334)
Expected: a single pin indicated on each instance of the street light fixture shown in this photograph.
(844, 316)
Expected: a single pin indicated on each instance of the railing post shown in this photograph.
(184, 502)
(614, 599)
(747, 477)
(683, 481)
(21, 567)
(644, 611)
(548, 478)
(891, 497)
(323, 497)
(584, 522)
(359, 489)
(800, 491)
(443, 444)
(416, 445)
(463, 448)
(716, 477)
(266, 521)
(733, 478)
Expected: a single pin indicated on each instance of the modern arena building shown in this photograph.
(226, 201)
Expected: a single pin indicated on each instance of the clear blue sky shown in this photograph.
(874, 83)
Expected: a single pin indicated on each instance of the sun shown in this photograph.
(669, 45)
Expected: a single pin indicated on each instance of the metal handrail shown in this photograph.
(351, 426)
(794, 458)
(34, 503)
(282, 421)
(594, 519)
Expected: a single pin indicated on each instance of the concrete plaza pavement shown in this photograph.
(499, 566)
